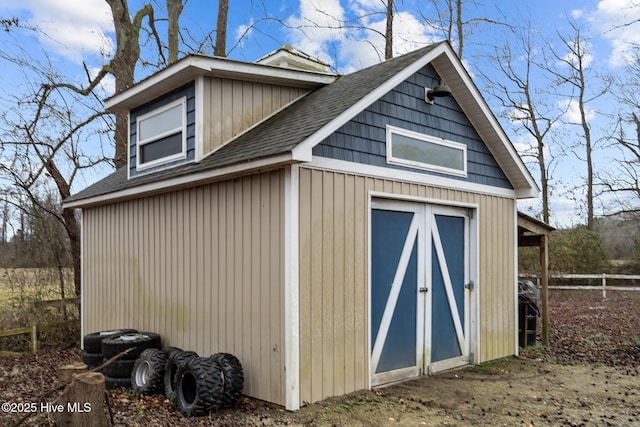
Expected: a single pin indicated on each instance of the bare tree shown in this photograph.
(174, 10)
(624, 182)
(221, 29)
(450, 20)
(123, 64)
(574, 72)
(388, 34)
(45, 136)
(526, 93)
(43, 144)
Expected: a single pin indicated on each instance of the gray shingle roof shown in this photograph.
(280, 133)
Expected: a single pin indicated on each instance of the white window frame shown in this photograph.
(183, 130)
(391, 130)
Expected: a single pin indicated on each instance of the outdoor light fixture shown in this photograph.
(439, 91)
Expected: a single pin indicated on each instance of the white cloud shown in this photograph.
(577, 13)
(243, 32)
(619, 22)
(579, 52)
(572, 111)
(71, 28)
(319, 23)
(361, 42)
(107, 86)
(410, 33)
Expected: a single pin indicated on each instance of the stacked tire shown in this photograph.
(204, 385)
(147, 376)
(118, 373)
(232, 378)
(176, 358)
(197, 385)
(92, 344)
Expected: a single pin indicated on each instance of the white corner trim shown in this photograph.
(83, 286)
(291, 288)
(415, 177)
(199, 131)
(515, 280)
(369, 284)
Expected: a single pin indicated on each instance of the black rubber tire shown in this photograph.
(169, 350)
(175, 359)
(92, 360)
(92, 343)
(119, 369)
(113, 383)
(199, 386)
(147, 376)
(233, 378)
(138, 342)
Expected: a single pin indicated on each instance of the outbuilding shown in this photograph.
(335, 233)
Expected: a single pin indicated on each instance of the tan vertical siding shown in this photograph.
(203, 267)
(233, 106)
(333, 264)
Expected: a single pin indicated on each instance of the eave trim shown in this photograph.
(188, 180)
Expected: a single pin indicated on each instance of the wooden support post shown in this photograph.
(544, 267)
(34, 338)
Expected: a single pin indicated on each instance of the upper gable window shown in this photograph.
(418, 150)
(162, 135)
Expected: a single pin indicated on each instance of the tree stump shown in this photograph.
(83, 402)
(66, 372)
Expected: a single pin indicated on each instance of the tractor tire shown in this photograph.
(233, 378)
(119, 369)
(93, 342)
(175, 359)
(199, 386)
(92, 360)
(169, 350)
(138, 342)
(147, 376)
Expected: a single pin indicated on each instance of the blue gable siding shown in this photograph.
(363, 139)
(188, 91)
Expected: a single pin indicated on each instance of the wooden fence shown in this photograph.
(35, 327)
(601, 278)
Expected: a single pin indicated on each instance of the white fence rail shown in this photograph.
(602, 277)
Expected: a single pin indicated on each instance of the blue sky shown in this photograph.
(74, 31)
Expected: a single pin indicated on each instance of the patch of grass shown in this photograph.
(343, 404)
(21, 286)
(492, 367)
(532, 352)
(597, 340)
(635, 340)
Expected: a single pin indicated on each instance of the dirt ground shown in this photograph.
(589, 376)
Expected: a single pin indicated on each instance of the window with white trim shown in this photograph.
(417, 150)
(161, 135)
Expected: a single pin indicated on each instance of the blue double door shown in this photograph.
(420, 289)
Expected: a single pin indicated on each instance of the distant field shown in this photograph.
(21, 286)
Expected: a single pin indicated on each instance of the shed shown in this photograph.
(335, 233)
